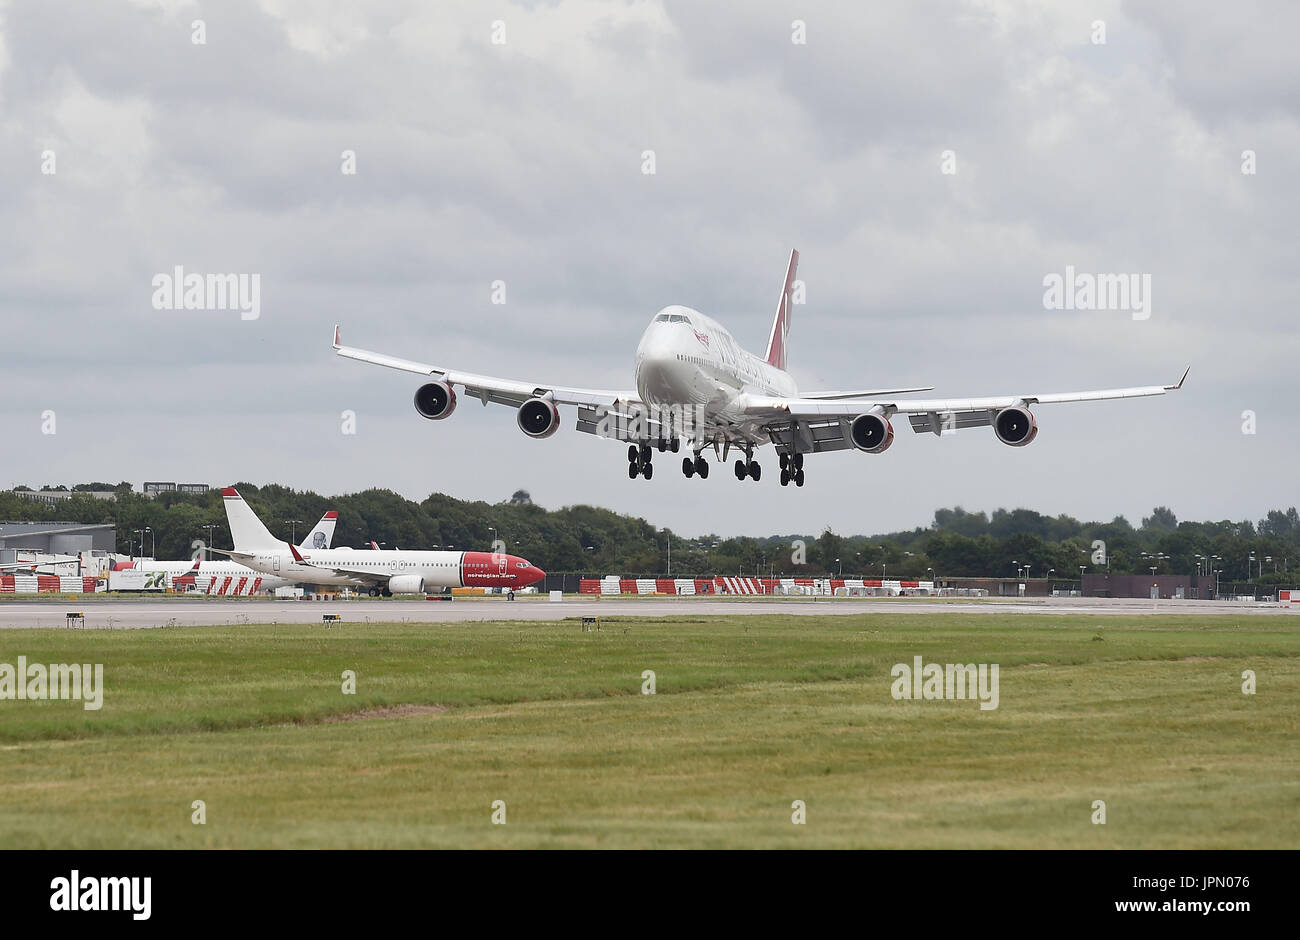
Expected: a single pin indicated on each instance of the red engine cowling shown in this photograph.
(435, 401)
(538, 417)
(871, 432)
(1015, 426)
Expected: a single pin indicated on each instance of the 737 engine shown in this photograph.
(406, 584)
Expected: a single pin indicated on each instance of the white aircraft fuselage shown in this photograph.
(688, 359)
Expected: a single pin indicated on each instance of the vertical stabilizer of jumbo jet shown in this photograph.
(322, 535)
(246, 530)
(781, 323)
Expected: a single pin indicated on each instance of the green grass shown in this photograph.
(752, 713)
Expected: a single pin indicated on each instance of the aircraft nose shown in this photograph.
(535, 574)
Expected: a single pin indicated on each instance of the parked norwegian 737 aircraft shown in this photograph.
(321, 535)
(694, 382)
(378, 571)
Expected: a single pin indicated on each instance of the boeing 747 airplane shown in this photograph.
(695, 383)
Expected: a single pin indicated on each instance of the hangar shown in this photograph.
(55, 538)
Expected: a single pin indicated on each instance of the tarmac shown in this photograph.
(126, 613)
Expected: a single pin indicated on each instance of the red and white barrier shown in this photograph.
(45, 584)
(742, 586)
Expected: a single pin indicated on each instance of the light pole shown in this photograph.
(494, 538)
(841, 564)
(140, 532)
(208, 543)
(293, 529)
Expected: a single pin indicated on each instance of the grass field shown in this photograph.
(751, 714)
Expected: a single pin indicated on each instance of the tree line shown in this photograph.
(592, 540)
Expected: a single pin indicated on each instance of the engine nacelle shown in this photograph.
(871, 432)
(538, 417)
(1015, 426)
(406, 584)
(435, 401)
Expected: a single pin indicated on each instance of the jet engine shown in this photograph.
(406, 584)
(871, 432)
(435, 401)
(538, 417)
(1015, 426)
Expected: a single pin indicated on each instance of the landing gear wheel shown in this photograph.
(373, 592)
(663, 445)
(785, 461)
(633, 454)
(785, 477)
(798, 478)
(702, 468)
(798, 462)
(675, 446)
(688, 467)
(632, 471)
(755, 471)
(741, 470)
(648, 470)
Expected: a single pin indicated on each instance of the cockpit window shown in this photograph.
(672, 318)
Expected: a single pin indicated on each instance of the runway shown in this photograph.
(143, 613)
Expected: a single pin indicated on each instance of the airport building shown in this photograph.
(154, 488)
(55, 538)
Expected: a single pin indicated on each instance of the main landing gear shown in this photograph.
(638, 462)
(696, 466)
(748, 468)
(638, 457)
(791, 469)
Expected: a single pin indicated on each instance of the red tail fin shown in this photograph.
(781, 324)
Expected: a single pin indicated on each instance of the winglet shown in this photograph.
(297, 556)
(337, 344)
(1174, 388)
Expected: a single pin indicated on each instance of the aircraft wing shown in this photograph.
(823, 425)
(241, 557)
(488, 388)
(870, 393)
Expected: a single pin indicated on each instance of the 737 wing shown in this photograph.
(812, 424)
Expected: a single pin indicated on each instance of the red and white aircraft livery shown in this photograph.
(230, 574)
(695, 383)
(378, 571)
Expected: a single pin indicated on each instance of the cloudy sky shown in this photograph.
(521, 161)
